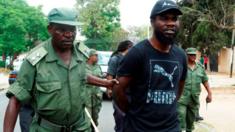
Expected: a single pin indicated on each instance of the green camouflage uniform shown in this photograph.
(54, 90)
(189, 102)
(94, 94)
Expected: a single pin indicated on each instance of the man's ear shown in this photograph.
(50, 28)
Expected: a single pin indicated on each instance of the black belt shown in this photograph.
(58, 128)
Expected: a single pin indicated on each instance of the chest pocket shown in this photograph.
(199, 77)
(48, 95)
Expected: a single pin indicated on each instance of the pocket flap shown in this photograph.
(48, 87)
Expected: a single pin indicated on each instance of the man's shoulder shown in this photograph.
(139, 48)
(178, 50)
(37, 53)
(116, 57)
(140, 45)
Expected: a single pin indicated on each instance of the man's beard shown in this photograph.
(164, 39)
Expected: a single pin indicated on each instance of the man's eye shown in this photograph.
(163, 18)
(175, 18)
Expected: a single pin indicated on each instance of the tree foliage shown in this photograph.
(138, 33)
(100, 22)
(206, 24)
(21, 26)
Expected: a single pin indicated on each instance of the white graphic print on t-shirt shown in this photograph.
(163, 78)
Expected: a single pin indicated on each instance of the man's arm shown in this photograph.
(209, 93)
(119, 93)
(11, 114)
(181, 89)
(93, 80)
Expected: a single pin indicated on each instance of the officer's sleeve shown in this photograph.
(84, 72)
(23, 86)
(204, 77)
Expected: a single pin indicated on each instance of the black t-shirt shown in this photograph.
(153, 89)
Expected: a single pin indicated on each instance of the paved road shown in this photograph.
(106, 119)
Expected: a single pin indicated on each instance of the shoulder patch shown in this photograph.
(82, 48)
(35, 56)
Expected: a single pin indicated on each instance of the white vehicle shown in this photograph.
(18, 61)
(103, 59)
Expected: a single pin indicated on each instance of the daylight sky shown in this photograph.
(133, 12)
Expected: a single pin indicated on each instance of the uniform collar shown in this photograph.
(196, 66)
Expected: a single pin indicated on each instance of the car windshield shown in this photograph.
(103, 57)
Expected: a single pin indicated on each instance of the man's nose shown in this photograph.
(171, 23)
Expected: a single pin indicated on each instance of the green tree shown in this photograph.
(206, 24)
(21, 26)
(100, 22)
(138, 33)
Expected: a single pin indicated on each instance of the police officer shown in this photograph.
(94, 94)
(51, 79)
(189, 102)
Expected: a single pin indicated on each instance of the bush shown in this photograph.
(2, 63)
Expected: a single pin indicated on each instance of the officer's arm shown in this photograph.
(119, 92)
(181, 88)
(93, 80)
(209, 96)
(11, 114)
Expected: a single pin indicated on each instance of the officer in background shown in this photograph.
(188, 104)
(94, 94)
(51, 79)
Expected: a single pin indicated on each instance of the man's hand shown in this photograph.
(208, 98)
(111, 83)
(109, 93)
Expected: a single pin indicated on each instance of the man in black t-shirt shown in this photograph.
(152, 74)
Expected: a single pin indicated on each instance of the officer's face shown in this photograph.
(165, 27)
(62, 35)
(192, 57)
(94, 58)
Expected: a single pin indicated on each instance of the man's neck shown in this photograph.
(64, 54)
(90, 62)
(165, 48)
(191, 64)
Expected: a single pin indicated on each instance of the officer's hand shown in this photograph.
(208, 98)
(111, 83)
(109, 93)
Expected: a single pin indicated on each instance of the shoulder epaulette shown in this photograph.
(36, 55)
(82, 48)
(199, 64)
